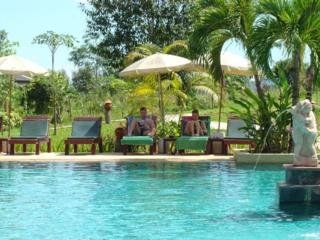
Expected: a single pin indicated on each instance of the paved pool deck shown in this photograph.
(114, 157)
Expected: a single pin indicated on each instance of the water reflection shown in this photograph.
(300, 211)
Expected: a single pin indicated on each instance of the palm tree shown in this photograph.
(294, 24)
(179, 48)
(201, 84)
(217, 22)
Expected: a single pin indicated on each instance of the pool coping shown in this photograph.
(263, 158)
(112, 157)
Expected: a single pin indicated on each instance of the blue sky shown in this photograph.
(24, 19)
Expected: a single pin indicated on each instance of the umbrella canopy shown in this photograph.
(16, 66)
(157, 63)
(235, 65)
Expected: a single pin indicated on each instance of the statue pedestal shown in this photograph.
(302, 185)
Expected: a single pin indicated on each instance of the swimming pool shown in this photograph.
(215, 200)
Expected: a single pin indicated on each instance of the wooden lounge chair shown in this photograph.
(199, 143)
(34, 130)
(128, 141)
(85, 130)
(236, 135)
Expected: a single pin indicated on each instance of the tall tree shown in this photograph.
(7, 47)
(119, 25)
(38, 95)
(294, 24)
(53, 41)
(82, 79)
(85, 57)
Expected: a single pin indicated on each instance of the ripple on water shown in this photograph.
(148, 201)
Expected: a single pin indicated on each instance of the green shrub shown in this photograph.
(271, 134)
(170, 129)
(16, 120)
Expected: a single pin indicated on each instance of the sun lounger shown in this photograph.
(128, 141)
(198, 143)
(85, 130)
(237, 135)
(34, 130)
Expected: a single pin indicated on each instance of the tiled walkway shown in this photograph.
(114, 157)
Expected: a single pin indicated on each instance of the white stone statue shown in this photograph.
(304, 134)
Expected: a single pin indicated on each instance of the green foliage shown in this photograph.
(42, 91)
(38, 95)
(54, 40)
(82, 79)
(169, 129)
(119, 26)
(6, 46)
(85, 57)
(15, 120)
(60, 92)
(146, 93)
(272, 137)
(218, 22)
(117, 85)
(202, 88)
(292, 24)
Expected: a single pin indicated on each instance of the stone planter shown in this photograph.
(302, 185)
(263, 158)
(160, 146)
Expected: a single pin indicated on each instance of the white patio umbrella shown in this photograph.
(234, 65)
(16, 66)
(158, 63)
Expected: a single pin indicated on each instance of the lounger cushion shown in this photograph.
(192, 143)
(85, 129)
(137, 140)
(34, 128)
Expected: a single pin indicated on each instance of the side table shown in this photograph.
(4, 140)
(210, 148)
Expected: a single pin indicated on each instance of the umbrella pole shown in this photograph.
(161, 100)
(220, 102)
(9, 108)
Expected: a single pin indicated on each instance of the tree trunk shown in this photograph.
(310, 77)
(161, 104)
(310, 74)
(220, 101)
(266, 123)
(259, 88)
(54, 97)
(296, 77)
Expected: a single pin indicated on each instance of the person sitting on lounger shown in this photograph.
(143, 126)
(195, 127)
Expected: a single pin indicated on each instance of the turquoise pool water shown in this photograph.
(148, 201)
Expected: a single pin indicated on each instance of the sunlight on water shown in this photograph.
(148, 201)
